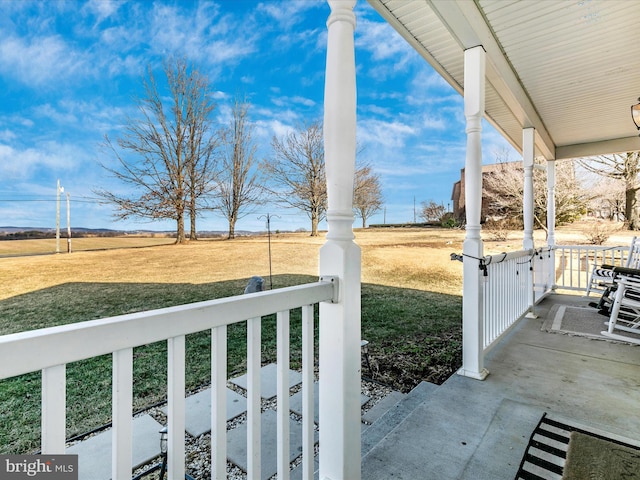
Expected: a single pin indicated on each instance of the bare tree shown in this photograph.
(608, 199)
(201, 142)
(165, 154)
(432, 211)
(297, 172)
(624, 167)
(237, 182)
(503, 190)
(367, 193)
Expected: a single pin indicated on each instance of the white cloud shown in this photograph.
(388, 134)
(7, 135)
(268, 128)
(131, 65)
(290, 101)
(41, 60)
(389, 52)
(433, 123)
(203, 35)
(55, 115)
(16, 121)
(376, 110)
(288, 13)
(21, 163)
(115, 42)
(95, 118)
(102, 9)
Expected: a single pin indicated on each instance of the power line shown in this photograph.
(13, 200)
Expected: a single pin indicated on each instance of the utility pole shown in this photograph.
(59, 190)
(414, 209)
(384, 218)
(68, 225)
(268, 217)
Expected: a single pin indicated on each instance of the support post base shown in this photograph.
(475, 375)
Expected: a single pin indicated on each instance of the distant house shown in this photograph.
(457, 194)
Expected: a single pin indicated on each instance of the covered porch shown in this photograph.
(466, 429)
(554, 78)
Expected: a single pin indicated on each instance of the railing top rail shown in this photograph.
(592, 247)
(34, 350)
(501, 257)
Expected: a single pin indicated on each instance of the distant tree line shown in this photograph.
(176, 164)
(40, 234)
(27, 235)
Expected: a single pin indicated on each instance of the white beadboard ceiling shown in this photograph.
(569, 68)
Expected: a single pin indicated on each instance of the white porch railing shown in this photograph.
(514, 282)
(49, 350)
(574, 263)
(505, 292)
(542, 264)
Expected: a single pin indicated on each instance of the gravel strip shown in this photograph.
(198, 450)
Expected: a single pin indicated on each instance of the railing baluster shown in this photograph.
(122, 401)
(219, 403)
(54, 408)
(577, 277)
(176, 408)
(571, 254)
(507, 292)
(283, 394)
(254, 362)
(307, 392)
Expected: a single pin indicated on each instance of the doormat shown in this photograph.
(578, 321)
(591, 457)
(546, 456)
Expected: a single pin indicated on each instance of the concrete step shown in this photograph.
(94, 453)
(198, 410)
(395, 415)
(380, 408)
(268, 381)
(237, 444)
(295, 404)
(436, 441)
(504, 441)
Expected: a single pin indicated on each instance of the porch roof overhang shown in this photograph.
(569, 69)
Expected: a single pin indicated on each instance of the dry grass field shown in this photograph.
(402, 258)
(411, 307)
(48, 245)
(399, 257)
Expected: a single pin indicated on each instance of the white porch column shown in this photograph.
(527, 204)
(472, 302)
(340, 257)
(528, 152)
(551, 203)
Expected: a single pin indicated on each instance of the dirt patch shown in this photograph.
(430, 359)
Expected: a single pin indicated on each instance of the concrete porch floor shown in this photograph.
(470, 429)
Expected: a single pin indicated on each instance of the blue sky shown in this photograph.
(69, 71)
